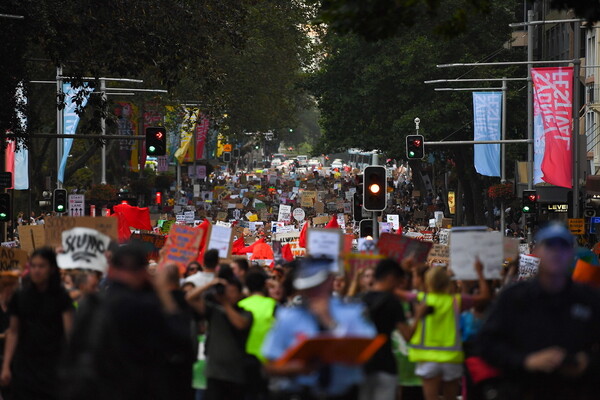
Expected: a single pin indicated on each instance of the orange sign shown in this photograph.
(227, 147)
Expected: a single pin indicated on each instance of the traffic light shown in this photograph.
(415, 147)
(60, 200)
(236, 153)
(357, 204)
(227, 156)
(374, 188)
(5, 207)
(156, 141)
(530, 199)
(365, 228)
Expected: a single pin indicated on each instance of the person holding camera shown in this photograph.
(228, 328)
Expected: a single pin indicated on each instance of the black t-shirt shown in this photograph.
(386, 311)
(40, 341)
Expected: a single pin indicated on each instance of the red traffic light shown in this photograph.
(532, 197)
(417, 143)
(159, 135)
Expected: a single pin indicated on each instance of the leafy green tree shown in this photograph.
(370, 92)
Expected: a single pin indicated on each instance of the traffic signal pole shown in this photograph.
(103, 132)
(374, 213)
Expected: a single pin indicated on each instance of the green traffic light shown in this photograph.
(2, 215)
(60, 207)
(152, 149)
(526, 208)
(411, 153)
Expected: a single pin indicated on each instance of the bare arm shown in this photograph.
(484, 289)
(238, 320)
(408, 330)
(195, 298)
(12, 338)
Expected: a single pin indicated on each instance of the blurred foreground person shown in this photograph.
(319, 314)
(41, 315)
(544, 334)
(126, 339)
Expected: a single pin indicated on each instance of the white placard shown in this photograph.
(285, 213)
(394, 220)
(189, 217)
(83, 248)
(299, 214)
(325, 243)
(76, 205)
(438, 215)
(220, 239)
(466, 246)
(528, 267)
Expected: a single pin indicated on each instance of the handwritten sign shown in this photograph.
(467, 246)
(326, 243)
(182, 246)
(220, 239)
(83, 248)
(12, 259)
(55, 226)
(285, 213)
(439, 254)
(528, 267)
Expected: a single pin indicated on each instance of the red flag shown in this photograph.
(250, 249)
(131, 217)
(333, 224)
(286, 252)
(400, 230)
(302, 238)
(204, 227)
(238, 245)
(262, 251)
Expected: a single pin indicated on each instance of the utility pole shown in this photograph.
(103, 132)
(530, 146)
(59, 123)
(576, 106)
(503, 155)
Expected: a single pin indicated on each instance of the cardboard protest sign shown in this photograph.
(326, 243)
(151, 242)
(394, 220)
(398, 247)
(439, 254)
(55, 226)
(319, 207)
(291, 238)
(285, 213)
(466, 246)
(511, 248)
(182, 246)
(320, 220)
(32, 237)
(83, 248)
(446, 222)
(220, 239)
(12, 259)
(528, 267)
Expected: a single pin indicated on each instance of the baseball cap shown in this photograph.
(312, 272)
(555, 231)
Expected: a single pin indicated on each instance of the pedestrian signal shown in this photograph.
(5, 213)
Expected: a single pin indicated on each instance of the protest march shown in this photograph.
(264, 285)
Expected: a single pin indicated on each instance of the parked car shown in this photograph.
(337, 163)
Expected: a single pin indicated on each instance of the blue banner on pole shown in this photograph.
(487, 110)
(70, 121)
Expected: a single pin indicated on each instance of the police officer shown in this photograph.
(544, 334)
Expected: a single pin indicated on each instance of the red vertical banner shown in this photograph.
(201, 133)
(9, 159)
(553, 94)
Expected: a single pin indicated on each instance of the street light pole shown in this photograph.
(374, 213)
(103, 132)
(59, 124)
(503, 155)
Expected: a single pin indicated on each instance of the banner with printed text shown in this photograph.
(73, 98)
(487, 110)
(553, 127)
(127, 124)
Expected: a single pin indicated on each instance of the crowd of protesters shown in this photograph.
(219, 331)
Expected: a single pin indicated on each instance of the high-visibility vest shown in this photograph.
(437, 337)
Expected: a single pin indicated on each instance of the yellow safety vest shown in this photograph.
(437, 337)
